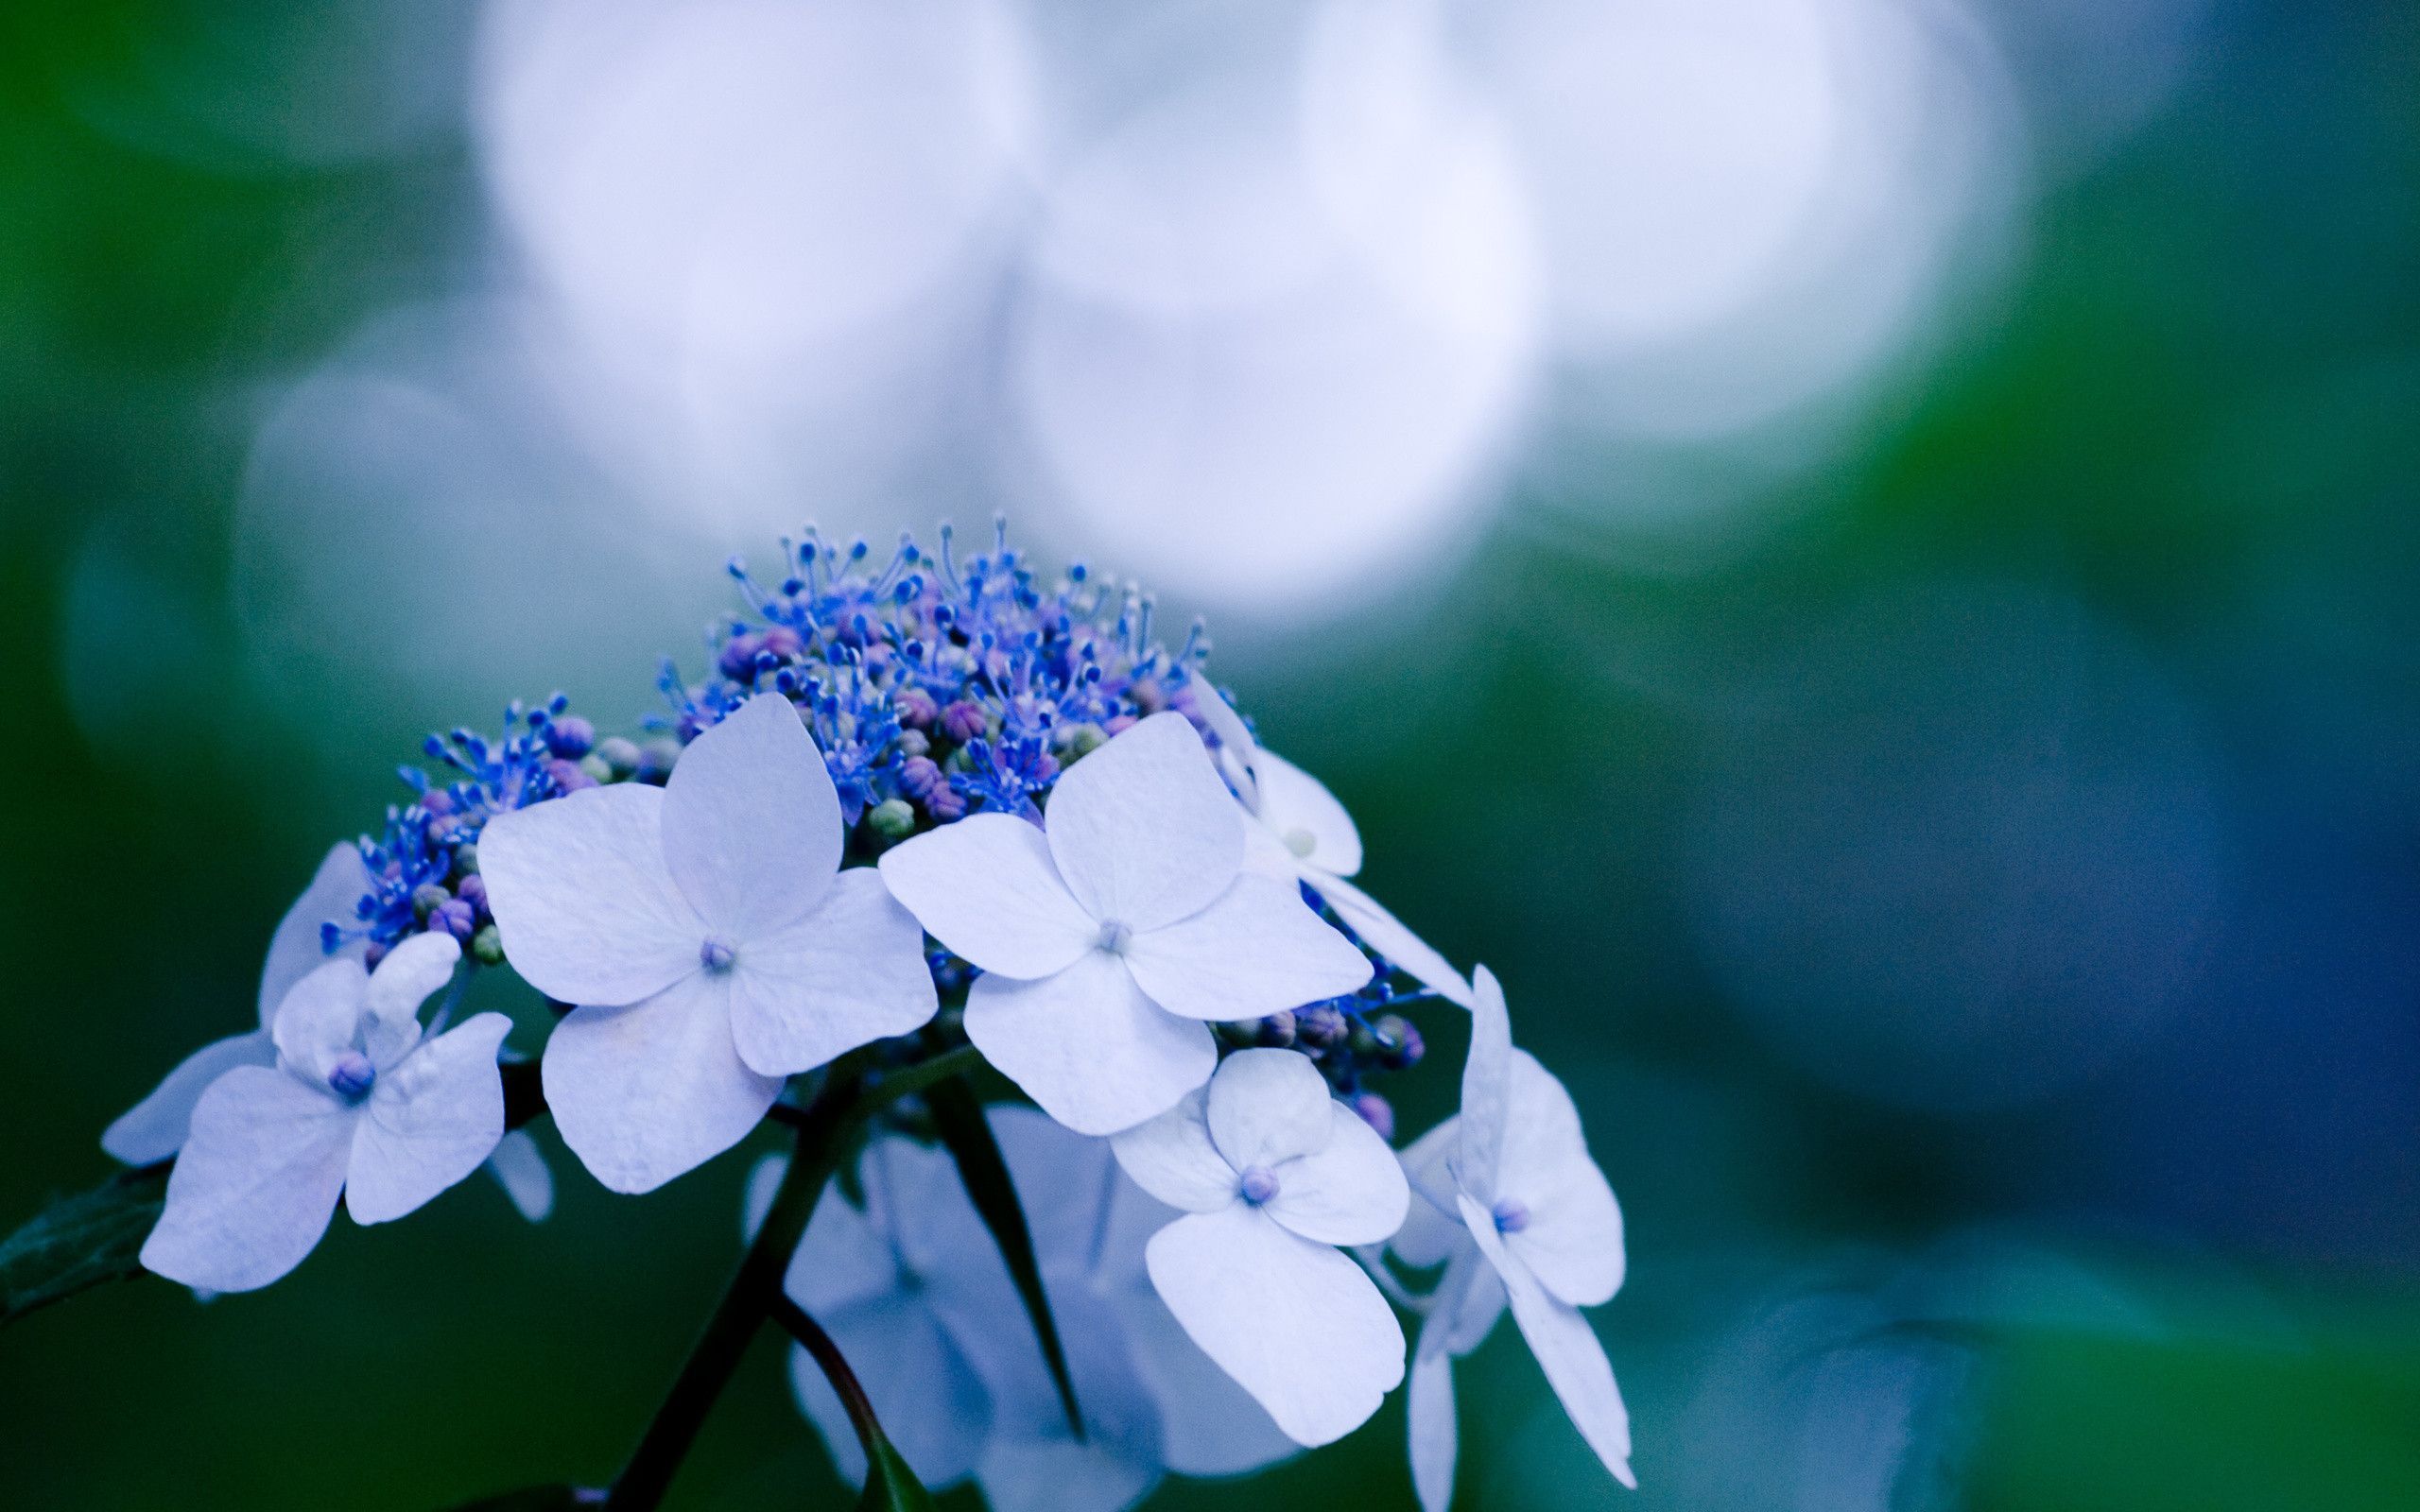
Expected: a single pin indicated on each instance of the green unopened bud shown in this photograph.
(621, 758)
(1240, 1033)
(427, 898)
(958, 760)
(466, 859)
(487, 947)
(914, 743)
(655, 760)
(1076, 742)
(597, 768)
(1362, 1040)
(893, 819)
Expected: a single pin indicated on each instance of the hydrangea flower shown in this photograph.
(911, 1289)
(154, 1128)
(1111, 934)
(1300, 831)
(359, 1104)
(710, 938)
(1515, 1210)
(1272, 1173)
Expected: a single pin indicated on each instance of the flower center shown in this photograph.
(1116, 935)
(1301, 842)
(718, 954)
(351, 1077)
(1259, 1185)
(1512, 1216)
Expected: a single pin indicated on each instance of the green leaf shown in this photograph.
(80, 1242)
(890, 1485)
(967, 1134)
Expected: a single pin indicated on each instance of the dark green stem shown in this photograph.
(810, 1335)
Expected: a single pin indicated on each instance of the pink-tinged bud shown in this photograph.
(738, 658)
(570, 777)
(454, 918)
(963, 721)
(1259, 1185)
(1148, 695)
(1378, 1112)
(571, 737)
(1118, 726)
(783, 642)
(916, 708)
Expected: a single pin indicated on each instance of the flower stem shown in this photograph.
(810, 1335)
(746, 1303)
(755, 1294)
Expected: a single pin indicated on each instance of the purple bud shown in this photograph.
(372, 954)
(571, 737)
(962, 721)
(438, 801)
(1259, 1185)
(1277, 1031)
(570, 777)
(916, 708)
(1148, 695)
(781, 641)
(1319, 1028)
(455, 918)
(1376, 1112)
(473, 889)
(351, 1077)
(1118, 726)
(738, 658)
(947, 805)
(446, 829)
(920, 777)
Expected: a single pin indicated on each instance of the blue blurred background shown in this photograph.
(1862, 553)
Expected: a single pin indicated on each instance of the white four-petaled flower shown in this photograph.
(710, 938)
(1513, 1207)
(1272, 1173)
(1298, 829)
(359, 1104)
(1109, 936)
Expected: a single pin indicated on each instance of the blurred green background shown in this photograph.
(1887, 616)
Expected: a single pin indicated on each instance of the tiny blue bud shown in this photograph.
(1114, 935)
(1259, 1185)
(1512, 1216)
(351, 1077)
(571, 737)
(716, 953)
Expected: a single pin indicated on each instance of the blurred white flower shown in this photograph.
(1272, 1172)
(1301, 831)
(1512, 1206)
(359, 1104)
(154, 1128)
(1105, 939)
(710, 938)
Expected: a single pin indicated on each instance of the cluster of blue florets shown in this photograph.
(934, 687)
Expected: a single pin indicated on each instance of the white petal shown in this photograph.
(1351, 1190)
(585, 904)
(1390, 938)
(1472, 1298)
(1268, 1105)
(1032, 1463)
(411, 971)
(847, 1256)
(1430, 1417)
(924, 1391)
(1255, 948)
(1432, 1228)
(154, 1128)
(752, 822)
(1573, 1241)
(295, 950)
(1208, 1424)
(1172, 1157)
(1487, 1090)
(1306, 817)
(1087, 1045)
(1566, 1350)
(1296, 1323)
(320, 1018)
(1235, 746)
(1064, 1180)
(256, 1184)
(428, 1123)
(646, 1092)
(1143, 830)
(1265, 856)
(987, 888)
(520, 1167)
(848, 972)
